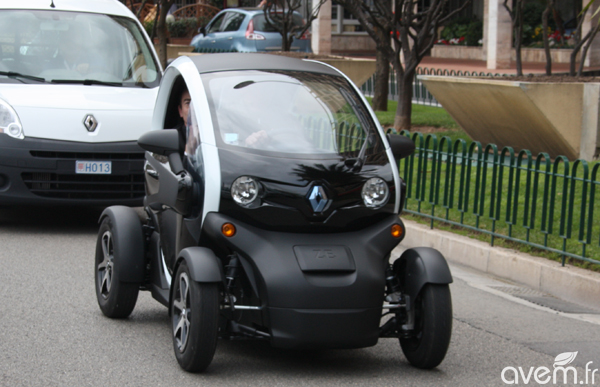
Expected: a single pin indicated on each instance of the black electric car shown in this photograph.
(271, 213)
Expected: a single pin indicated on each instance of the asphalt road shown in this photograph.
(53, 334)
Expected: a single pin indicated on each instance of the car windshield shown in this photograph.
(71, 47)
(291, 112)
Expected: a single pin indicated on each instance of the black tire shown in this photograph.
(115, 298)
(433, 327)
(194, 320)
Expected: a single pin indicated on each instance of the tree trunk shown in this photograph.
(519, 59)
(519, 36)
(576, 50)
(405, 93)
(285, 43)
(516, 17)
(155, 24)
(545, 16)
(580, 42)
(382, 75)
(161, 32)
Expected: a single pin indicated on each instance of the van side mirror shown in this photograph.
(402, 146)
(163, 142)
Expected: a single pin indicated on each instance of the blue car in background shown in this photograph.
(245, 30)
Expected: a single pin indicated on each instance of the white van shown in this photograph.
(78, 83)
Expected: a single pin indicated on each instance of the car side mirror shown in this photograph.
(402, 146)
(163, 142)
(202, 30)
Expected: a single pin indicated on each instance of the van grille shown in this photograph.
(88, 155)
(99, 187)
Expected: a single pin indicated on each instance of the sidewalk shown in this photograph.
(568, 283)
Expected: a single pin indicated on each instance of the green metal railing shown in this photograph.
(421, 95)
(536, 201)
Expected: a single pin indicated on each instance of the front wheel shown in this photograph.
(427, 347)
(194, 318)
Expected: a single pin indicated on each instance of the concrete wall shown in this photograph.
(535, 55)
(457, 52)
(174, 50)
(541, 117)
(352, 43)
(559, 55)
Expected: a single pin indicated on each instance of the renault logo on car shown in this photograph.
(90, 123)
(318, 198)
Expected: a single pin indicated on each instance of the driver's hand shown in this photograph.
(257, 139)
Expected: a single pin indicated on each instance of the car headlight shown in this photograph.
(375, 193)
(245, 191)
(9, 121)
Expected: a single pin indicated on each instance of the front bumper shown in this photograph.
(37, 171)
(318, 290)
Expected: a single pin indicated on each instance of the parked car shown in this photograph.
(245, 30)
(274, 219)
(78, 84)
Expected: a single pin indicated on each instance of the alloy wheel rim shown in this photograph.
(106, 267)
(182, 312)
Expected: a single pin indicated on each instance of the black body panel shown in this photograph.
(324, 328)
(287, 182)
(419, 266)
(159, 287)
(43, 172)
(323, 298)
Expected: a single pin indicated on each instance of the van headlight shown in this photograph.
(245, 191)
(9, 121)
(375, 193)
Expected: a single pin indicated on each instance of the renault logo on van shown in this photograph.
(90, 123)
(318, 199)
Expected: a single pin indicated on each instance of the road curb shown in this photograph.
(568, 283)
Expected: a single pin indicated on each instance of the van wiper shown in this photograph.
(12, 74)
(86, 82)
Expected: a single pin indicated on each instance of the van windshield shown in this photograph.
(71, 47)
(290, 112)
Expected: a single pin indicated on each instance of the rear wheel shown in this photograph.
(433, 327)
(116, 299)
(195, 318)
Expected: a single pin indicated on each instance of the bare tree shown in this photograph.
(545, 16)
(408, 33)
(139, 11)
(382, 75)
(161, 29)
(279, 15)
(588, 42)
(515, 11)
(585, 41)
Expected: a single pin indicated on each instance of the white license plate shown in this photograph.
(93, 167)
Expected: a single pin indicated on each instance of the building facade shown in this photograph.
(336, 31)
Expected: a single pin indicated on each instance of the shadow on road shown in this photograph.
(50, 219)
